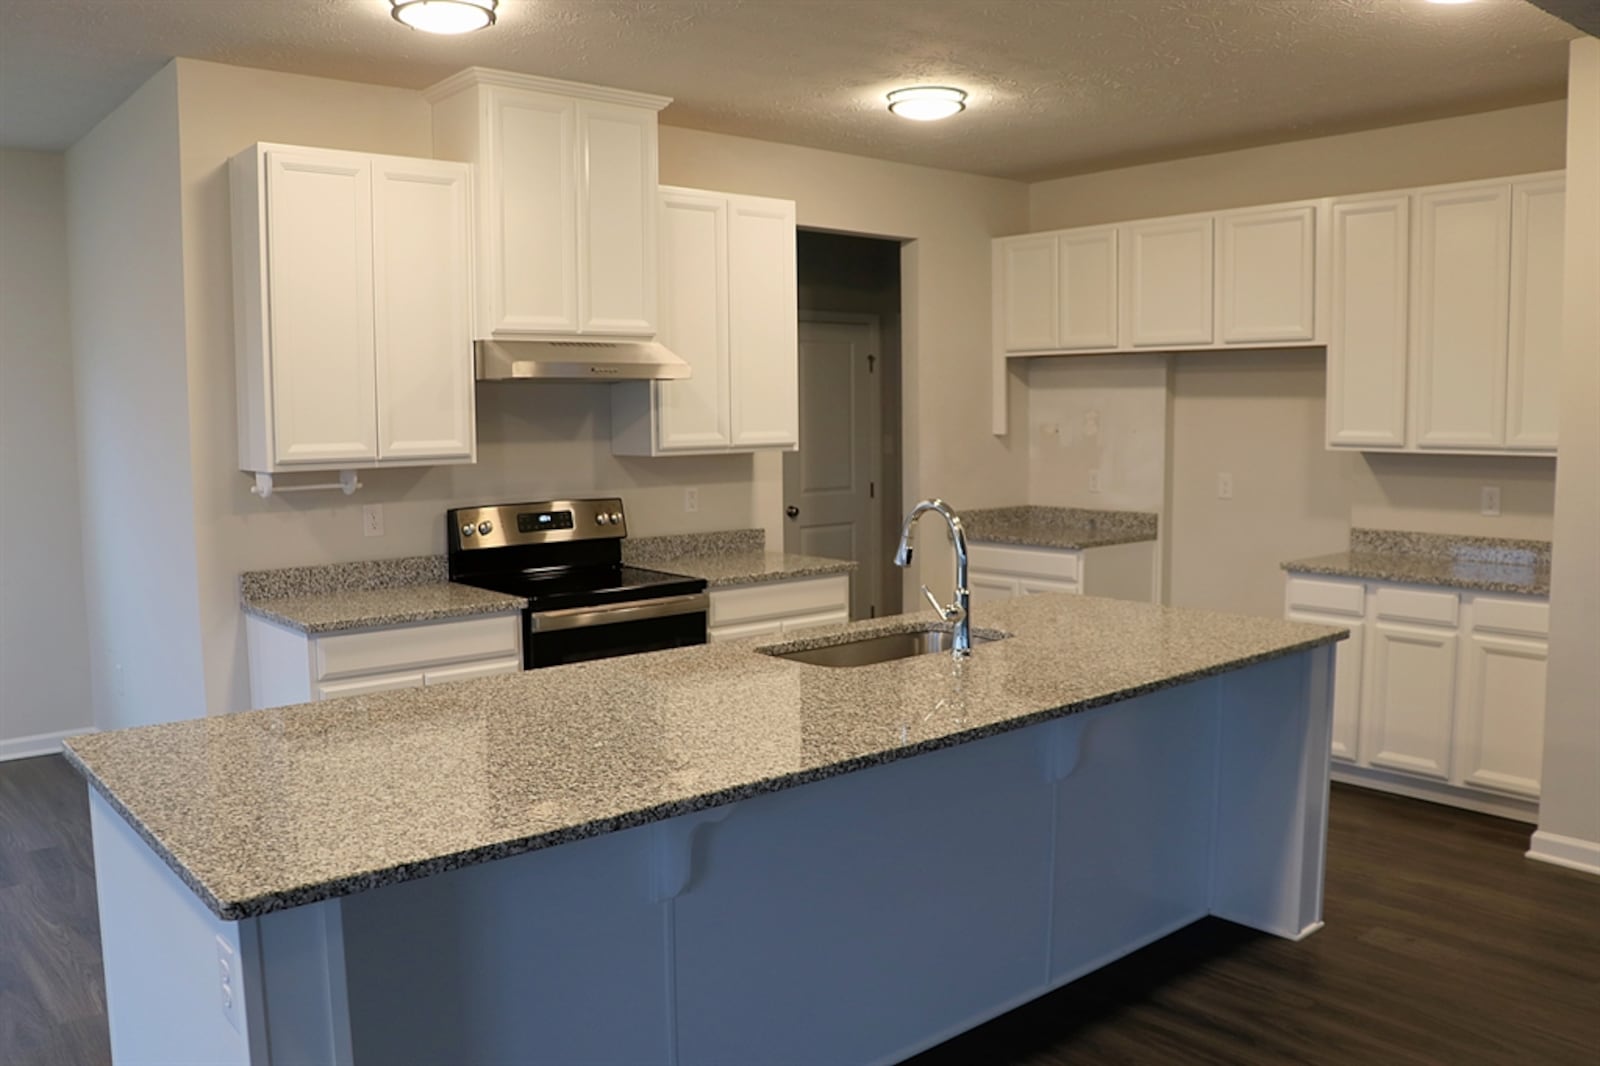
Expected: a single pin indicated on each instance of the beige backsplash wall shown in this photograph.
(1259, 415)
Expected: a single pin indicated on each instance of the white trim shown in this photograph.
(1516, 808)
(1574, 854)
(511, 80)
(38, 744)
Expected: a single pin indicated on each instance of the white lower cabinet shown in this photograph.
(288, 666)
(999, 572)
(1437, 694)
(779, 608)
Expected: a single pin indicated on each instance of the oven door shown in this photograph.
(579, 634)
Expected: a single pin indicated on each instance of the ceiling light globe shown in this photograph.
(445, 16)
(927, 103)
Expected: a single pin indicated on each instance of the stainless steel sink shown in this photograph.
(881, 649)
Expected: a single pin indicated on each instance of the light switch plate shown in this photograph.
(691, 500)
(1094, 481)
(1224, 486)
(227, 976)
(1489, 502)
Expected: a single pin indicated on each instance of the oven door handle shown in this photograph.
(632, 611)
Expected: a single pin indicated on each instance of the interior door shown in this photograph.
(830, 483)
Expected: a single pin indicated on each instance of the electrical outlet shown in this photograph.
(1094, 481)
(1224, 486)
(1091, 423)
(372, 520)
(1489, 504)
(691, 500)
(227, 969)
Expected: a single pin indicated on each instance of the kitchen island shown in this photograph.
(709, 855)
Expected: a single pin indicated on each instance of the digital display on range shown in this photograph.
(538, 521)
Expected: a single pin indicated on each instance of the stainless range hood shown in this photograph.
(577, 361)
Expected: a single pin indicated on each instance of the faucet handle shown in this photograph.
(939, 608)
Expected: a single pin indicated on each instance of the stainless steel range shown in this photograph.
(565, 557)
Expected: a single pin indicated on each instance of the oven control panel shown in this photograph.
(507, 524)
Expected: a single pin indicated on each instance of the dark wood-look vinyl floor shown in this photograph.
(1443, 945)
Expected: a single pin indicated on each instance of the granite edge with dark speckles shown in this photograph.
(663, 549)
(1474, 564)
(720, 714)
(1065, 528)
(357, 609)
(365, 575)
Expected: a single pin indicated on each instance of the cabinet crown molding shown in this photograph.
(476, 76)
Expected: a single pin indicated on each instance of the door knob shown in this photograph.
(792, 511)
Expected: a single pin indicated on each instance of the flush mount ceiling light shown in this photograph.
(1449, 1)
(926, 103)
(445, 16)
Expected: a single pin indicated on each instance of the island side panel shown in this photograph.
(1275, 722)
(161, 948)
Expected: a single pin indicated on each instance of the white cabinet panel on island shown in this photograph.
(351, 293)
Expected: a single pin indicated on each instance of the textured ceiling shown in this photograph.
(1058, 86)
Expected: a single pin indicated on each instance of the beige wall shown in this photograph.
(125, 264)
(1105, 413)
(44, 687)
(1569, 809)
(1220, 404)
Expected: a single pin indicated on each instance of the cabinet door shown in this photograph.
(1538, 219)
(471, 671)
(693, 414)
(1501, 745)
(421, 277)
(1030, 287)
(1410, 700)
(362, 686)
(1370, 332)
(1458, 323)
(770, 627)
(1169, 272)
(1088, 296)
(764, 317)
(319, 256)
(617, 209)
(1266, 275)
(529, 276)
(1032, 586)
(1347, 659)
(991, 588)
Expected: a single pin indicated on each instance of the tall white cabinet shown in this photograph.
(729, 308)
(352, 279)
(1446, 310)
(566, 187)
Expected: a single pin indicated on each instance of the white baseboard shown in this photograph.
(1513, 807)
(1574, 854)
(38, 744)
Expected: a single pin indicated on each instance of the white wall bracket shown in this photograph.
(347, 483)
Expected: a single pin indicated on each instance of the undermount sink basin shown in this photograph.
(866, 651)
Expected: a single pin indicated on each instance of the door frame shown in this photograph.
(874, 534)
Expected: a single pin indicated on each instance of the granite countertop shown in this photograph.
(366, 595)
(259, 811)
(736, 557)
(1068, 528)
(1479, 564)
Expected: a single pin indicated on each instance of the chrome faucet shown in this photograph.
(959, 612)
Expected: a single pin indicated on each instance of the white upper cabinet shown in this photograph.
(1088, 289)
(729, 308)
(1461, 289)
(1538, 219)
(1168, 266)
(1370, 329)
(421, 299)
(351, 288)
(1029, 282)
(1266, 275)
(566, 186)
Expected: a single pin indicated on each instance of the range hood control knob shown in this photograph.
(486, 527)
(601, 519)
(468, 529)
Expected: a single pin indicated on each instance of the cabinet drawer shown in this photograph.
(1059, 564)
(402, 647)
(837, 616)
(472, 671)
(1418, 605)
(1529, 618)
(1339, 597)
(805, 596)
(363, 686)
(771, 627)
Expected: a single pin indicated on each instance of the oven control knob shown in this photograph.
(468, 529)
(486, 527)
(616, 518)
(601, 519)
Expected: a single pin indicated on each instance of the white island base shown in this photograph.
(856, 919)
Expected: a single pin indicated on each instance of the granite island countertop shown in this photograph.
(259, 811)
(366, 595)
(1063, 528)
(1477, 564)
